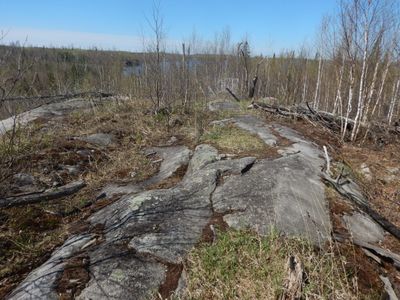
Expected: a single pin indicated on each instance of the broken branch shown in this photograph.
(233, 95)
(50, 194)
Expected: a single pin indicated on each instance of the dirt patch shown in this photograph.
(281, 141)
(18, 270)
(357, 263)
(215, 224)
(74, 277)
(172, 277)
(170, 181)
(363, 268)
(338, 207)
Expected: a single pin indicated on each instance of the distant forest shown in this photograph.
(352, 71)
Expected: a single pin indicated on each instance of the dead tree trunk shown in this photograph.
(254, 81)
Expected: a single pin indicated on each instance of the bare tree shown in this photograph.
(156, 63)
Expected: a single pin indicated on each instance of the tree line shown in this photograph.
(352, 71)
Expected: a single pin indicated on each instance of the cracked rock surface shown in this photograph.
(172, 159)
(147, 232)
(42, 282)
(47, 111)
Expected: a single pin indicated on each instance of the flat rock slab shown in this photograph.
(363, 228)
(223, 106)
(300, 146)
(257, 127)
(172, 159)
(283, 194)
(47, 111)
(144, 233)
(117, 273)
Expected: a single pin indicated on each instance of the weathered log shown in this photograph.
(294, 281)
(385, 254)
(326, 119)
(357, 198)
(50, 194)
(388, 288)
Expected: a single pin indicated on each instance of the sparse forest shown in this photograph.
(352, 71)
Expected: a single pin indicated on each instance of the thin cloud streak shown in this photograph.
(62, 38)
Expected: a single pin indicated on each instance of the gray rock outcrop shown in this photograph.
(147, 232)
(47, 111)
(223, 106)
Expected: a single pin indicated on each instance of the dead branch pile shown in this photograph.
(333, 122)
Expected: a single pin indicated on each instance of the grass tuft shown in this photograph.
(233, 139)
(244, 265)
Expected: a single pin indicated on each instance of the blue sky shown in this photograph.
(271, 25)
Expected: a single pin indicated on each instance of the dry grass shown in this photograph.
(28, 234)
(243, 265)
(233, 140)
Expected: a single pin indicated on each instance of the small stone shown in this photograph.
(223, 105)
(365, 170)
(56, 183)
(393, 170)
(172, 141)
(363, 228)
(23, 179)
(84, 153)
(175, 121)
(71, 170)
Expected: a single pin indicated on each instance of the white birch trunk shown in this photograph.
(338, 97)
(316, 95)
(393, 101)
(349, 102)
(360, 102)
(371, 92)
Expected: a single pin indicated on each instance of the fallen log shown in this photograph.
(326, 119)
(385, 254)
(294, 281)
(388, 288)
(50, 194)
(344, 189)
